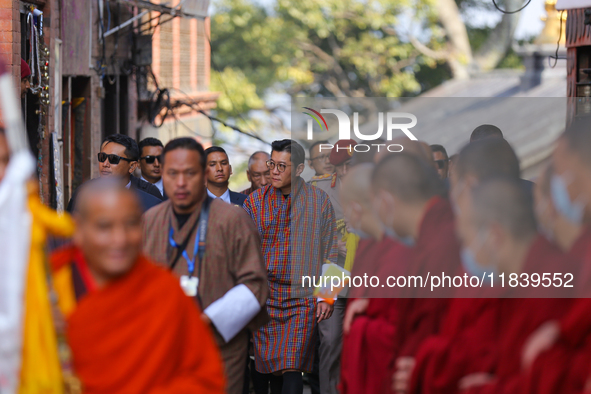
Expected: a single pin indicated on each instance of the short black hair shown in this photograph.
(150, 141)
(184, 143)
(439, 148)
(213, 149)
(485, 131)
(315, 144)
(131, 149)
(298, 155)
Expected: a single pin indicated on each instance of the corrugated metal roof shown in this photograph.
(531, 120)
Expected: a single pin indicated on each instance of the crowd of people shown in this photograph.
(173, 283)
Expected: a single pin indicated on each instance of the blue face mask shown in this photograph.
(471, 265)
(408, 241)
(572, 211)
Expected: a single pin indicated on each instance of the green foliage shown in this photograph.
(320, 47)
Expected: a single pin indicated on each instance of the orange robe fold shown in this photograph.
(141, 334)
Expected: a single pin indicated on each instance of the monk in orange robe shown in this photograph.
(130, 327)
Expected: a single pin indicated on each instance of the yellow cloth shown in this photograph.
(352, 240)
(41, 369)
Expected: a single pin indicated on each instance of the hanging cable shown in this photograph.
(510, 12)
(555, 57)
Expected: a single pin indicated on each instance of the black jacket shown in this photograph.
(147, 200)
(237, 198)
(146, 187)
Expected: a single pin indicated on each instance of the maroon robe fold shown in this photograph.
(369, 348)
(520, 317)
(566, 366)
(437, 250)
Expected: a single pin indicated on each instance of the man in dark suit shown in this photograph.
(119, 157)
(218, 176)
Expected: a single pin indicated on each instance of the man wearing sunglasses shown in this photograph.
(441, 160)
(119, 158)
(150, 151)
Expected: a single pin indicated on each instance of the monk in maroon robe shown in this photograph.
(370, 322)
(467, 338)
(408, 199)
(498, 230)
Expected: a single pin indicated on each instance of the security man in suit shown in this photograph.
(218, 170)
(119, 158)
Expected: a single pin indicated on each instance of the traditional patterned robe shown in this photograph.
(127, 338)
(232, 258)
(298, 234)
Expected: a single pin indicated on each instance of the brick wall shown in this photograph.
(10, 39)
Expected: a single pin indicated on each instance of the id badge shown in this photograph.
(189, 285)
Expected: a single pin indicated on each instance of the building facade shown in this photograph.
(101, 67)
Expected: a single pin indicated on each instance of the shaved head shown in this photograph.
(419, 149)
(108, 228)
(506, 202)
(258, 156)
(357, 186)
(101, 188)
(485, 131)
(356, 199)
(408, 177)
(487, 158)
(578, 139)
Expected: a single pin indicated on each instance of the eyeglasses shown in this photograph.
(113, 159)
(150, 159)
(280, 166)
(321, 158)
(441, 163)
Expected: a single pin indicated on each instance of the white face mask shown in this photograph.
(572, 209)
(469, 262)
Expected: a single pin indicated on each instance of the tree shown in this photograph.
(352, 48)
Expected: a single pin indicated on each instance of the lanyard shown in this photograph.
(199, 248)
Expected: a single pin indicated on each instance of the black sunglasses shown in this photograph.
(113, 159)
(150, 159)
(441, 163)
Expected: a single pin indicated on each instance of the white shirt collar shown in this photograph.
(128, 185)
(157, 184)
(225, 197)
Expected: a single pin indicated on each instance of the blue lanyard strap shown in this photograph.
(200, 236)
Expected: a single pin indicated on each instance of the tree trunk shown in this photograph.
(460, 57)
(494, 49)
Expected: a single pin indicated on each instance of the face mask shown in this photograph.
(572, 211)
(408, 241)
(471, 265)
